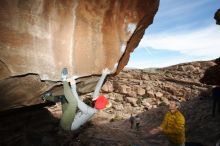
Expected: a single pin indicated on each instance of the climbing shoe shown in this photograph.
(64, 74)
(46, 95)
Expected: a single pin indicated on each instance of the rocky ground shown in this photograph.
(140, 92)
(39, 127)
(201, 128)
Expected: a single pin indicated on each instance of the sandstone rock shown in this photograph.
(121, 88)
(189, 68)
(112, 95)
(132, 94)
(108, 87)
(134, 81)
(170, 89)
(146, 104)
(182, 85)
(154, 106)
(217, 16)
(132, 101)
(145, 77)
(125, 75)
(165, 100)
(119, 107)
(139, 90)
(159, 94)
(101, 118)
(119, 98)
(150, 94)
(211, 75)
(148, 88)
(42, 37)
(71, 34)
(148, 100)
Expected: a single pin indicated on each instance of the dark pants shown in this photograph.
(132, 125)
(69, 106)
(216, 101)
(137, 126)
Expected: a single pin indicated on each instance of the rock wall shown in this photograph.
(211, 76)
(41, 37)
(134, 91)
(85, 36)
(217, 16)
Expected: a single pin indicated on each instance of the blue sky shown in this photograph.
(182, 31)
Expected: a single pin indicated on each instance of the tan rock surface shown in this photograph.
(179, 82)
(86, 36)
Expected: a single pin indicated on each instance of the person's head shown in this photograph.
(174, 106)
(102, 103)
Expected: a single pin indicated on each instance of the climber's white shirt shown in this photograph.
(82, 117)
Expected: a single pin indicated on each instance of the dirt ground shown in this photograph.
(38, 127)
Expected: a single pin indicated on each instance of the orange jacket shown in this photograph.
(173, 126)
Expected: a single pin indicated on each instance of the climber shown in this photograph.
(70, 120)
(173, 125)
(131, 120)
(137, 122)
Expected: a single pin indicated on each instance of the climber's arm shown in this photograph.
(105, 72)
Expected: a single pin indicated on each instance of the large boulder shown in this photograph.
(217, 16)
(211, 75)
(41, 37)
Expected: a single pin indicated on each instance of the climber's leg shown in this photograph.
(81, 118)
(84, 108)
(69, 107)
(85, 113)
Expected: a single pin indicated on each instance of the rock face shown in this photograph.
(211, 75)
(135, 91)
(86, 36)
(217, 16)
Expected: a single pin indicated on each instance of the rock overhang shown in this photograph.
(39, 38)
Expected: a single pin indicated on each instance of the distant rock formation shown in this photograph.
(135, 91)
(211, 75)
(217, 16)
(140, 90)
